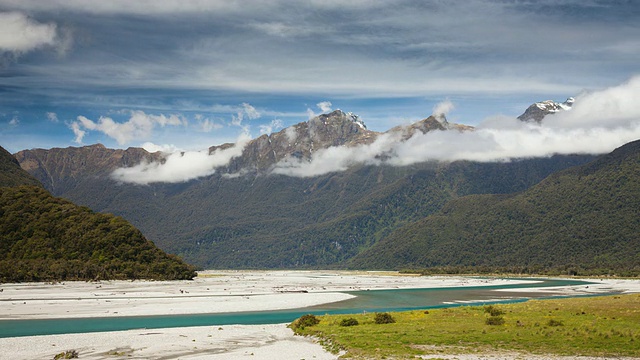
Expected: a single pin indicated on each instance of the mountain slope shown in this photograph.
(50, 239)
(43, 238)
(586, 218)
(11, 174)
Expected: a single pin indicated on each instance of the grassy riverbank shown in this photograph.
(594, 326)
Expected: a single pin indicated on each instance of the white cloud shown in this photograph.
(275, 124)
(19, 34)
(246, 111)
(165, 148)
(599, 122)
(442, 109)
(15, 121)
(324, 106)
(53, 117)
(139, 126)
(291, 133)
(78, 132)
(180, 166)
(610, 108)
(206, 124)
(337, 158)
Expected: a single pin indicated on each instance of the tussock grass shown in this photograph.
(594, 326)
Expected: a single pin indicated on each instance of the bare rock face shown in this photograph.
(59, 165)
(432, 123)
(301, 140)
(539, 110)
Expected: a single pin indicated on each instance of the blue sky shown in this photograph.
(191, 74)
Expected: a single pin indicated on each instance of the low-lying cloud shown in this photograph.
(180, 166)
(598, 123)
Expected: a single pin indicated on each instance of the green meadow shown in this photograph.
(588, 326)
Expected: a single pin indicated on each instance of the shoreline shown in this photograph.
(209, 293)
(215, 292)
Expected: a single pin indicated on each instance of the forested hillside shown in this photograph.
(50, 239)
(582, 220)
(11, 174)
(43, 238)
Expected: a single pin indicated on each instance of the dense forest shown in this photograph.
(584, 220)
(50, 239)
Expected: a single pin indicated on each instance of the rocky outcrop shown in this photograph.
(539, 110)
(432, 123)
(61, 165)
(301, 140)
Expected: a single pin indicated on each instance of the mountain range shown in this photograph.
(247, 215)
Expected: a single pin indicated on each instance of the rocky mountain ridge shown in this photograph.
(538, 111)
(259, 155)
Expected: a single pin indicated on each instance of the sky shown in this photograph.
(186, 75)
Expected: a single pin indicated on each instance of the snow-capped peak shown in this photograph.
(356, 119)
(539, 110)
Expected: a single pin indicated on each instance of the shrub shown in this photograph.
(349, 322)
(69, 354)
(493, 311)
(305, 321)
(553, 322)
(494, 320)
(384, 318)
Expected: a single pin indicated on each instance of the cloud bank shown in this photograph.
(180, 166)
(598, 123)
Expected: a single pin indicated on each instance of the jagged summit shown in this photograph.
(539, 110)
(302, 140)
(340, 115)
(431, 123)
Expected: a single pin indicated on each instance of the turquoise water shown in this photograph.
(370, 301)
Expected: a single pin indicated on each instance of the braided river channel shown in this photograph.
(364, 301)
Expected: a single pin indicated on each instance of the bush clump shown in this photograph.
(553, 322)
(493, 311)
(494, 320)
(384, 318)
(69, 354)
(305, 321)
(349, 322)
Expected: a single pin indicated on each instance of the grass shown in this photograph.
(593, 326)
